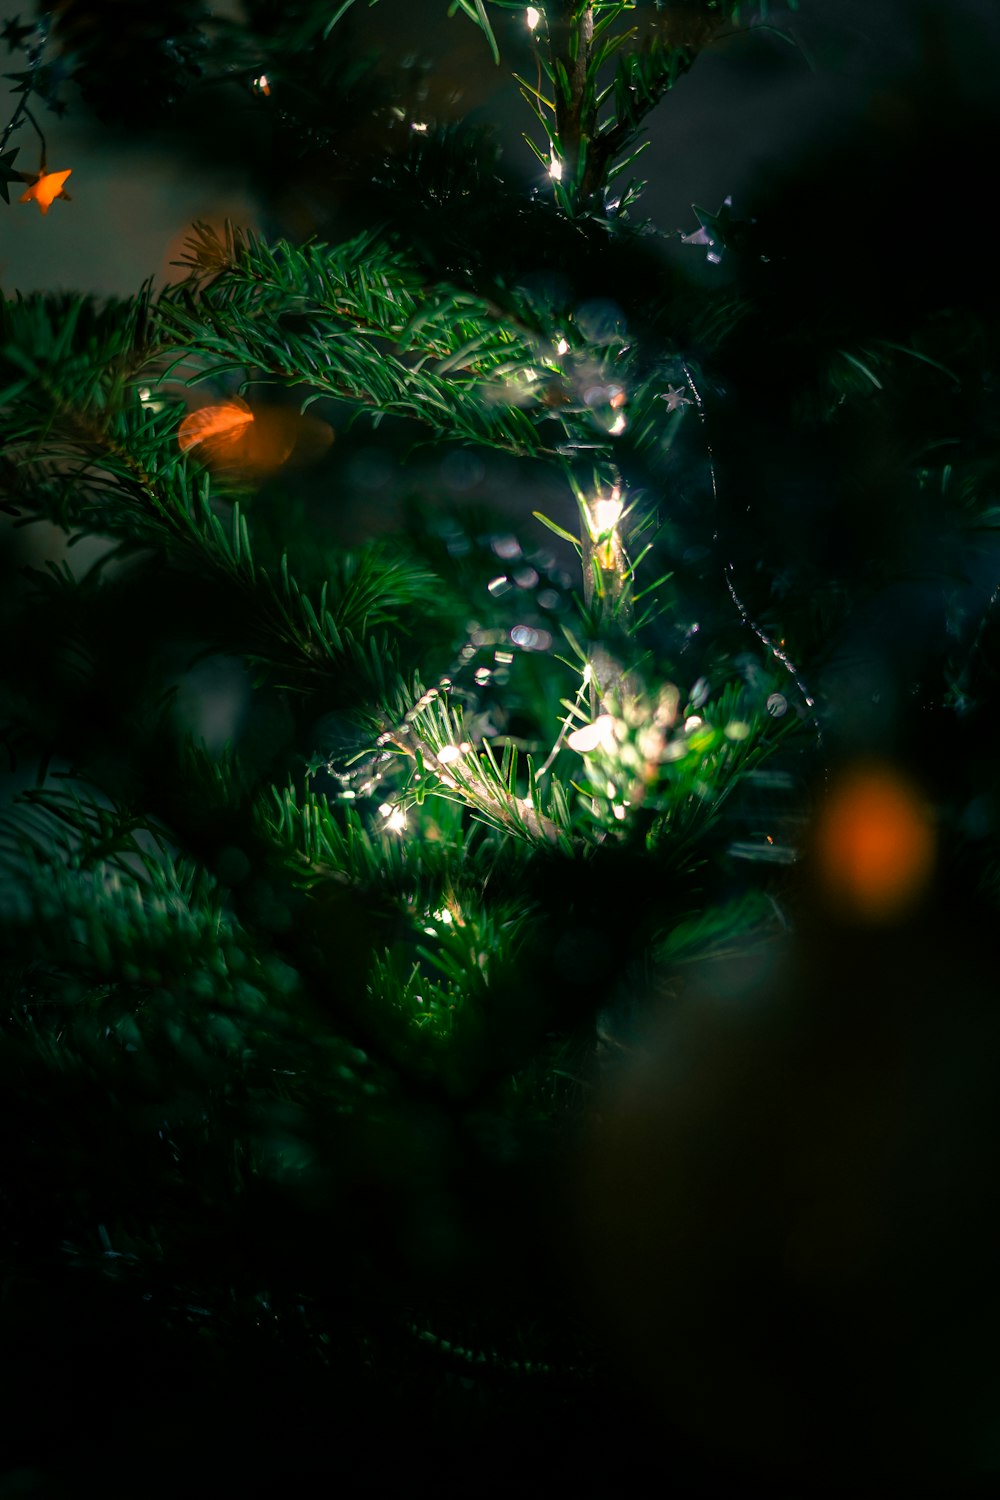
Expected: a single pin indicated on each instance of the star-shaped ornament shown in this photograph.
(719, 231)
(8, 174)
(674, 397)
(45, 189)
(14, 33)
(44, 82)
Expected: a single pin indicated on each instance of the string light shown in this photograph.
(147, 400)
(443, 917)
(262, 85)
(618, 426)
(563, 346)
(555, 169)
(599, 734)
(606, 512)
(532, 16)
(395, 818)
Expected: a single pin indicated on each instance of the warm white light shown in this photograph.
(262, 84)
(590, 736)
(562, 347)
(607, 512)
(396, 821)
(555, 169)
(618, 425)
(532, 16)
(693, 721)
(148, 401)
(420, 125)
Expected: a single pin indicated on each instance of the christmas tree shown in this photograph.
(499, 852)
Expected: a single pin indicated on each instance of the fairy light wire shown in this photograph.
(727, 567)
(34, 55)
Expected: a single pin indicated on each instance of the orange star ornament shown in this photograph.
(46, 188)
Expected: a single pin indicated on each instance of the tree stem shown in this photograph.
(570, 40)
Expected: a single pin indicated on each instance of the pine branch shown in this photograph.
(84, 451)
(357, 322)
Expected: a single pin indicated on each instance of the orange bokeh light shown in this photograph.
(874, 845)
(229, 436)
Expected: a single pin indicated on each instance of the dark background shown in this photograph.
(750, 107)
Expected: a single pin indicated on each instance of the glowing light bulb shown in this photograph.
(618, 426)
(532, 16)
(606, 512)
(148, 401)
(562, 347)
(262, 85)
(555, 169)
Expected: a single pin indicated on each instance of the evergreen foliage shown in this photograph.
(303, 1026)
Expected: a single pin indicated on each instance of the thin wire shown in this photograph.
(38, 131)
(776, 651)
(34, 55)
